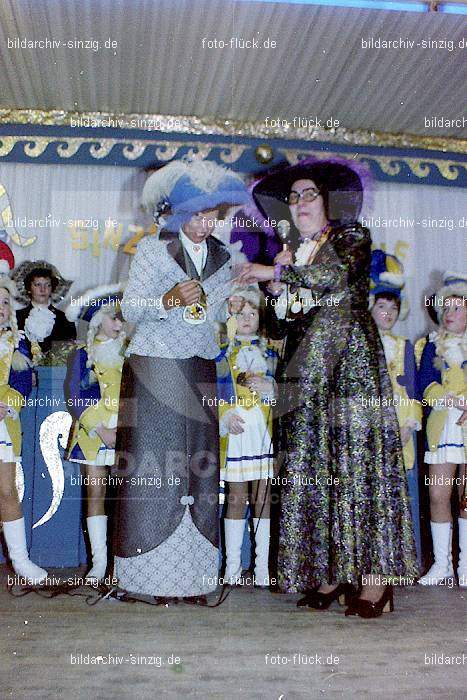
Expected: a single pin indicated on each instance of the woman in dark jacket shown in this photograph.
(40, 285)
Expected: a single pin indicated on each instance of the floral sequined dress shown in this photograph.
(344, 502)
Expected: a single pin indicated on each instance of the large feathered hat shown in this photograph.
(454, 284)
(387, 277)
(186, 188)
(91, 305)
(338, 182)
(27, 269)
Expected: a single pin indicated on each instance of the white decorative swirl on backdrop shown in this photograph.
(52, 434)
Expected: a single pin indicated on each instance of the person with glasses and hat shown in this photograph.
(345, 518)
(168, 437)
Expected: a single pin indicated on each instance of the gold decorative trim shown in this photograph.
(229, 153)
(34, 146)
(226, 127)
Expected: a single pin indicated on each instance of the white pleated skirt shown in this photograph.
(451, 442)
(250, 454)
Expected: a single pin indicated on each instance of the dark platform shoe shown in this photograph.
(367, 609)
(321, 601)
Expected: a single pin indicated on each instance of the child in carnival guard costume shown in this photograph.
(443, 386)
(93, 390)
(15, 386)
(388, 305)
(245, 368)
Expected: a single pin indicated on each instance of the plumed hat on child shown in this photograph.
(454, 284)
(387, 277)
(251, 294)
(189, 187)
(91, 305)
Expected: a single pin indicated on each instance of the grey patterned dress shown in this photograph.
(166, 534)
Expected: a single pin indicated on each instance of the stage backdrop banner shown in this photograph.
(87, 220)
(83, 219)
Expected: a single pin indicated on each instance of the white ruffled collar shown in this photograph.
(304, 251)
(108, 353)
(451, 347)
(39, 323)
(389, 344)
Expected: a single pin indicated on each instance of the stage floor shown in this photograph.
(255, 645)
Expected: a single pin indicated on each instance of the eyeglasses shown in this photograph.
(308, 195)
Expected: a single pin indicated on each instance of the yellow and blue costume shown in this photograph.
(249, 455)
(387, 279)
(400, 361)
(15, 387)
(92, 384)
(93, 398)
(443, 369)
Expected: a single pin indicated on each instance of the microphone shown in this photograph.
(283, 231)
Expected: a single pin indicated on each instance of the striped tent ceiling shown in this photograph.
(318, 68)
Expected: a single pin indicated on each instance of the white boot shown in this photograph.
(15, 538)
(442, 569)
(97, 531)
(462, 567)
(262, 531)
(234, 530)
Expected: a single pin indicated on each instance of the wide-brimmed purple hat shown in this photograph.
(339, 184)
